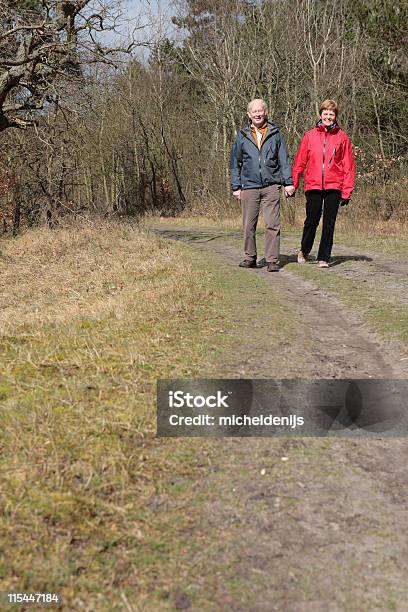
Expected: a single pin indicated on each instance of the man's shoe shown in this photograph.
(248, 263)
(322, 264)
(262, 263)
(301, 259)
(273, 267)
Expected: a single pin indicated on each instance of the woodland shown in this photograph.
(90, 125)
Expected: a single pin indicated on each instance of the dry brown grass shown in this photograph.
(64, 275)
(90, 318)
(199, 220)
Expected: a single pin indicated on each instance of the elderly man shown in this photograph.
(259, 166)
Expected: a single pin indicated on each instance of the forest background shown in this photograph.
(92, 125)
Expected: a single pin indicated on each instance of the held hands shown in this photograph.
(237, 194)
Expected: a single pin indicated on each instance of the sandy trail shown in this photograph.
(324, 530)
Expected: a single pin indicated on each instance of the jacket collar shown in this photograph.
(334, 127)
(272, 128)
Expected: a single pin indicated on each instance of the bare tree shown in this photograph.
(318, 27)
(44, 43)
(213, 55)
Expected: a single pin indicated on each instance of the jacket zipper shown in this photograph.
(332, 155)
(259, 154)
(259, 150)
(324, 153)
(260, 167)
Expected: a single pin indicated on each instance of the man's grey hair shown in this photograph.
(258, 100)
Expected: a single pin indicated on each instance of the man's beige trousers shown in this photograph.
(252, 200)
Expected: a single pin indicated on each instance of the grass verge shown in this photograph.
(90, 319)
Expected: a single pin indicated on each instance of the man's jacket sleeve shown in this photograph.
(301, 160)
(236, 164)
(349, 171)
(284, 162)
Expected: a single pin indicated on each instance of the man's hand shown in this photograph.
(237, 194)
(289, 191)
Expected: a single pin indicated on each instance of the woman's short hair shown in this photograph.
(329, 105)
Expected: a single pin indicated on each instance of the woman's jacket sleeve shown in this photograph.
(301, 160)
(349, 170)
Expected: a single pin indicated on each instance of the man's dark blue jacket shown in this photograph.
(252, 167)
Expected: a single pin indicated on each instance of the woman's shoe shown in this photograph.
(301, 259)
(322, 264)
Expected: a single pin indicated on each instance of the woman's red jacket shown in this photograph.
(329, 161)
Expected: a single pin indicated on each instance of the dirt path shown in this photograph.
(305, 525)
(339, 344)
(373, 262)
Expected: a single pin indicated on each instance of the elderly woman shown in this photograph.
(326, 153)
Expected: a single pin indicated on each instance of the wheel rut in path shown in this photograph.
(322, 530)
(383, 276)
(339, 343)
